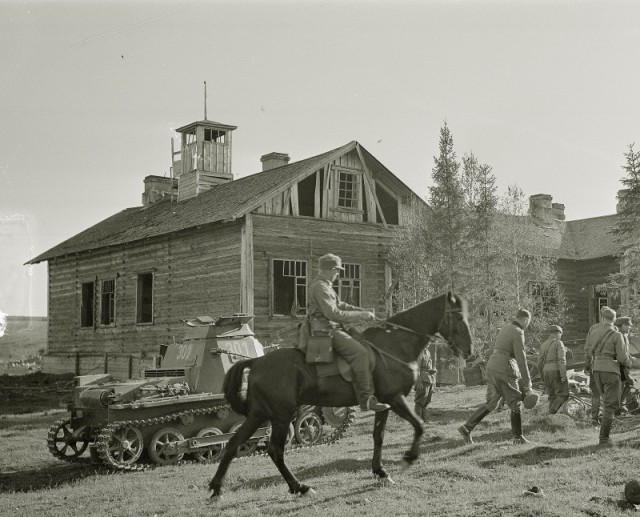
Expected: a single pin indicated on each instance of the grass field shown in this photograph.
(451, 478)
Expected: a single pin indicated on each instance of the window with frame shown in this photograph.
(545, 297)
(599, 299)
(144, 298)
(289, 287)
(108, 302)
(347, 189)
(87, 304)
(347, 284)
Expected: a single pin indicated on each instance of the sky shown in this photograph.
(545, 92)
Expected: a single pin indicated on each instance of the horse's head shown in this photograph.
(454, 326)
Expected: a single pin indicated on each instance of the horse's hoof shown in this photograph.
(310, 492)
(386, 481)
(213, 498)
(405, 464)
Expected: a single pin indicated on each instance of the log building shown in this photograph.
(203, 243)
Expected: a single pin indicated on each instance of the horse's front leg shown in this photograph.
(401, 408)
(379, 426)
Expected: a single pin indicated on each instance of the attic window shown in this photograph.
(347, 190)
(289, 287)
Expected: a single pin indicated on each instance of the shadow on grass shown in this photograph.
(51, 477)
(538, 454)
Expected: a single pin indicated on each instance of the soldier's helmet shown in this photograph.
(632, 491)
(530, 400)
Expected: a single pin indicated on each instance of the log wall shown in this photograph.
(277, 237)
(195, 273)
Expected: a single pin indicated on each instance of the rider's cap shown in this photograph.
(330, 261)
(554, 328)
(624, 320)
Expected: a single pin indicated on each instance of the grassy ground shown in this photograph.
(451, 478)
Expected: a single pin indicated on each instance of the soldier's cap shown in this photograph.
(330, 261)
(608, 313)
(624, 320)
(632, 491)
(554, 328)
(530, 400)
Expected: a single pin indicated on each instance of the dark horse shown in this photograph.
(282, 380)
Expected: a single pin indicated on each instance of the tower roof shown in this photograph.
(206, 123)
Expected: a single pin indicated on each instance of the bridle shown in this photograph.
(424, 338)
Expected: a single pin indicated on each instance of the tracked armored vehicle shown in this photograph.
(176, 411)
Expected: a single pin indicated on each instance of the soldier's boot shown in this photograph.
(605, 430)
(362, 382)
(474, 420)
(516, 428)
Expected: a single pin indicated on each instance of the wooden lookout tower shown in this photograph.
(204, 158)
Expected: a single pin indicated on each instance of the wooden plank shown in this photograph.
(370, 182)
(317, 208)
(325, 193)
(246, 266)
(286, 202)
(295, 209)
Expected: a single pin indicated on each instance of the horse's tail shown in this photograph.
(232, 387)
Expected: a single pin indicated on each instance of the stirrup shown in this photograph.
(372, 404)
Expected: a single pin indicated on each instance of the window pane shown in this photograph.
(145, 298)
(86, 308)
(108, 302)
(289, 287)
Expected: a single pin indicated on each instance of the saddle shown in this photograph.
(319, 354)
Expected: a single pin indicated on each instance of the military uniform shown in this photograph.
(425, 383)
(507, 377)
(607, 352)
(326, 313)
(552, 364)
(595, 393)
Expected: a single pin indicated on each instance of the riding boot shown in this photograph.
(605, 429)
(362, 384)
(474, 420)
(516, 428)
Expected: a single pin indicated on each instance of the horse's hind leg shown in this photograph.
(231, 450)
(275, 449)
(379, 426)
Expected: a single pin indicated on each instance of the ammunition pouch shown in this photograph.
(320, 347)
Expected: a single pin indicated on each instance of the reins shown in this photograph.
(423, 337)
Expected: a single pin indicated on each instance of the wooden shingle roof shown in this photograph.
(590, 238)
(224, 202)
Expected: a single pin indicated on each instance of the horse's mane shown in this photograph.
(413, 315)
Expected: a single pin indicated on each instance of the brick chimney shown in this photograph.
(622, 194)
(557, 210)
(157, 188)
(273, 160)
(540, 209)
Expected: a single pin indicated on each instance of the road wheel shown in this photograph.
(163, 446)
(247, 448)
(213, 452)
(124, 447)
(308, 428)
(63, 444)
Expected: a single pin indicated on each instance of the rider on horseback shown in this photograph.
(326, 313)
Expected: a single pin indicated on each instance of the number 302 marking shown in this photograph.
(184, 351)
